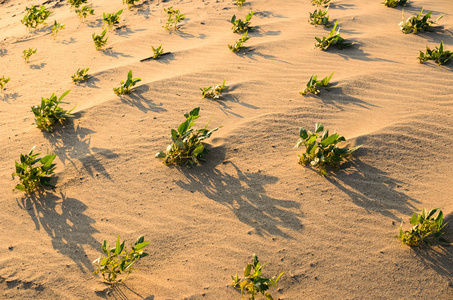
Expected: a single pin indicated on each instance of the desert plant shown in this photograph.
(77, 3)
(84, 12)
(3, 82)
(240, 25)
(33, 16)
(187, 147)
(30, 176)
(319, 17)
(322, 150)
(394, 3)
(174, 17)
(111, 19)
(56, 28)
(320, 2)
(334, 39)
(125, 87)
(130, 3)
(99, 41)
(119, 260)
(80, 75)
(313, 83)
(239, 44)
(157, 51)
(438, 55)
(214, 93)
(28, 53)
(415, 24)
(240, 2)
(48, 112)
(253, 283)
(425, 228)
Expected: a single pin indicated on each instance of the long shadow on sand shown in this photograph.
(355, 52)
(244, 193)
(136, 98)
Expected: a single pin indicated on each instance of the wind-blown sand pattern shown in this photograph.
(334, 237)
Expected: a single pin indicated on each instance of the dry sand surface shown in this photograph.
(334, 237)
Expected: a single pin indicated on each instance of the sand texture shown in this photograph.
(334, 236)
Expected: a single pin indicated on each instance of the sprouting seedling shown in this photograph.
(253, 283)
(239, 44)
(322, 149)
(32, 177)
(56, 28)
(415, 24)
(319, 17)
(240, 25)
(437, 54)
(394, 3)
(100, 40)
(3, 82)
(80, 75)
(240, 2)
(28, 53)
(174, 17)
(157, 51)
(77, 3)
(49, 112)
(119, 260)
(425, 228)
(313, 83)
(84, 12)
(33, 16)
(320, 2)
(125, 87)
(334, 39)
(130, 3)
(214, 93)
(187, 147)
(112, 19)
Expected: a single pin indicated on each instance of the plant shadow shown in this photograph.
(125, 31)
(252, 53)
(38, 66)
(3, 52)
(90, 82)
(258, 32)
(267, 14)
(64, 221)
(110, 52)
(356, 52)
(244, 193)
(137, 99)
(335, 96)
(71, 40)
(341, 6)
(93, 24)
(9, 96)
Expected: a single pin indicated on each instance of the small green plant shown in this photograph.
(80, 75)
(56, 28)
(240, 25)
(322, 149)
(100, 40)
(425, 228)
(32, 177)
(240, 2)
(77, 3)
(119, 260)
(157, 51)
(187, 147)
(130, 3)
(438, 55)
(49, 112)
(214, 93)
(239, 44)
(112, 19)
(334, 39)
(33, 16)
(415, 24)
(84, 12)
(3, 82)
(125, 87)
(319, 17)
(394, 3)
(174, 17)
(320, 2)
(253, 283)
(28, 53)
(313, 83)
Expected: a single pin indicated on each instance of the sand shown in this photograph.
(334, 236)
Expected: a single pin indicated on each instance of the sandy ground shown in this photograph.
(333, 237)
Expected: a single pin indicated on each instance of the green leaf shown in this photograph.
(319, 127)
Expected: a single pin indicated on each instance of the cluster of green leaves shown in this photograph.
(28, 53)
(49, 112)
(30, 176)
(174, 17)
(119, 260)
(253, 283)
(130, 3)
(84, 12)
(214, 93)
(187, 147)
(239, 44)
(319, 17)
(3, 82)
(320, 2)
(56, 28)
(240, 25)
(111, 19)
(313, 83)
(322, 149)
(438, 55)
(394, 3)
(334, 39)
(417, 23)
(157, 51)
(100, 40)
(33, 16)
(240, 2)
(425, 228)
(77, 3)
(125, 87)
(80, 75)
